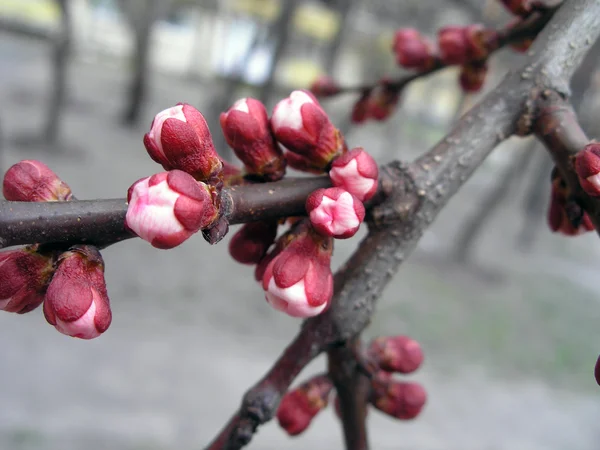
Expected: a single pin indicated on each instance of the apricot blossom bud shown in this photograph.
(303, 127)
(300, 406)
(250, 244)
(403, 401)
(459, 45)
(33, 181)
(383, 101)
(597, 371)
(413, 50)
(472, 76)
(24, 276)
(325, 86)
(179, 138)
(396, 354)
(564, 215)
(360, 109)
(247, 131)
(167, 208)
(587, 166)
(298, 278)
(335, 212)
(76, 301)
(356, 172)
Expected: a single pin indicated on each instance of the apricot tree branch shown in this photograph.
(527, 29)
(102, 222)
(415, 194)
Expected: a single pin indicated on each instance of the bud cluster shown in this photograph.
(69, 282)
(385, 356)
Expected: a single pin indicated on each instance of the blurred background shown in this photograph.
(508, 313)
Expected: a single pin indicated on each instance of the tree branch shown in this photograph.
(102, 222)
(416, 193)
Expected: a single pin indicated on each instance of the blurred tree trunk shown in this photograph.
(281, 32)
(61, 50)
(141, 15)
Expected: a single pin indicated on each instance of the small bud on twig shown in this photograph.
(250, 244)
(24, 276)
(413, 50)
(401, 400)
(76, 301)
(167, 208)
(33, 181)
(300, 406)
(472, 76)
(179, 138)
(396, 354)
(324, 86)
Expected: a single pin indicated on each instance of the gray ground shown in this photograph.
(510, 342)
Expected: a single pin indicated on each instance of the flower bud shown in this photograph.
(250, 244)
(383, 101)
(518, 7)
(564, 215)
(179, 138)
(298, 278)
(472, 76)
(403, 401)
(247, 131)
(413, 51)
(76, 301)
(597, 371)
(299, 406)
(356, 172)
(360, 109)
(303, 127)
(396, 354)
(33, 181)
(24, 276)
(459, 45)
(587, 166)
(167, 208)
(325, 86)
(335, 212)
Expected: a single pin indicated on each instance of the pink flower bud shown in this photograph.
(518, 7)
(167, 208)
(383, 101)
(565, 216)
(325, 86)
(357, 173)
(412, 50)
(303, 127)
(403, 401)
(298, 279)
(459, 45)
(33, 181)
(247, 131)
(250, 244)
(587, 166)
(472, 76)
(335, 212)
(597, 371)
(24, 275)
(76, 301)
(299, 407)
(360, 109)
(179, 138)
(396, 354)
